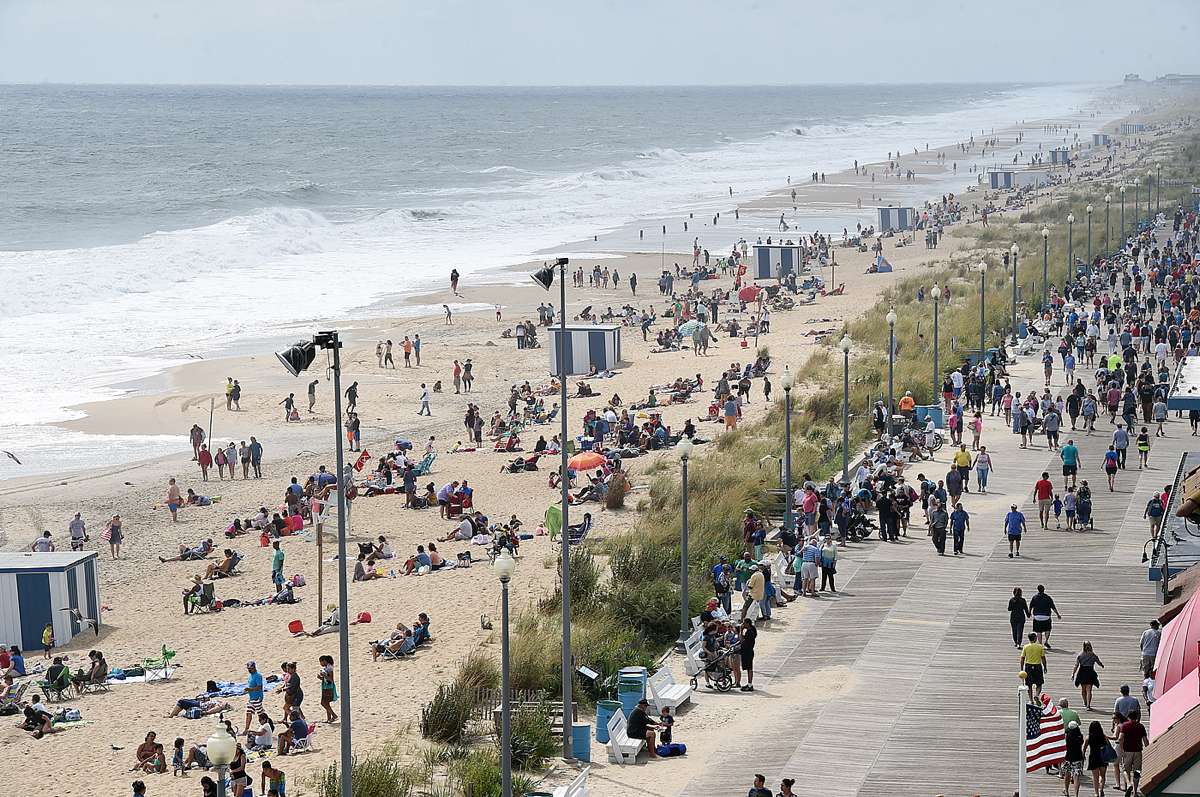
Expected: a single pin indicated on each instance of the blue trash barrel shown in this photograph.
(581, 741)
(629, 692)
(604, 711)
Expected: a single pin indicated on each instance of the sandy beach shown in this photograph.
(141, 596)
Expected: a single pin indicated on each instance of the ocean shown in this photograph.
(140, 226)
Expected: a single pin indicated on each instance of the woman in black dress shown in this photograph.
(1085, 673)
(1018, 611)
(1094, 747)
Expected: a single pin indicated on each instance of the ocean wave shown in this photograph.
(659, 153)
(502, 169)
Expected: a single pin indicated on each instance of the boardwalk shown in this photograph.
(930, 707)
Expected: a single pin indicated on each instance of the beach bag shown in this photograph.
(1108, 754)
(298, 580)
(116, 674)
(193, 713)
(71, 715)
(671, 750)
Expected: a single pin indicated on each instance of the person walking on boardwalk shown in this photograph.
(960, 524)
(1084, 674)
(1040, 607)
(1033, 664)
(1043, 491)
(1069, 454)
(1018, 611)
(1014, 527)
(1111, 458)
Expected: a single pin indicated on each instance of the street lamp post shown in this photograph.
(982, 308)
(1045, 266)
(891, 319)
(545, 277)
(788, 513)
(1149, 186)
(296, 360)
(1158, 188)
(221, 749)
(1015, 250)
(1070, 250)
(504, 567)
(1122, 236)
(1089, 256)
(684, 449)
(844, 345)
(1137, 202)
(1107, 208)
(936, 293)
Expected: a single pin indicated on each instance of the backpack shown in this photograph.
(669, 750)
(1155, 508)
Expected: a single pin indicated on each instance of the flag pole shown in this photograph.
(1022, 784)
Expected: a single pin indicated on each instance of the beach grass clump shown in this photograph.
(533, 738)
(380, 774)
(477, 671)
(479, 775)
(444, 719)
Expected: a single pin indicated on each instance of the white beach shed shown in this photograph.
(1060, 156)
(998, 179)
(37, 588)
(775, 261)
(896, 219)
(587, 345)
(1101, 139)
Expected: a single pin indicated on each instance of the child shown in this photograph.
(1058, 505)
(177, 767)
(1070, 502)
(272, 778)
(47, 640)
(665, 721)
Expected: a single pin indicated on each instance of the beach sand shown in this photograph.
(143, 610)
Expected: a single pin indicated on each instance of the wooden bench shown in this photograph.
(621, 749)
(576, 788)
(665, 692)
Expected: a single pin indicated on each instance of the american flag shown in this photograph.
(1045, 740)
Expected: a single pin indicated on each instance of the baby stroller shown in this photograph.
(1084, 511)
(717, 671)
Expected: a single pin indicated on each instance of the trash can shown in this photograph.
(631, 687)
(604, 711)
(581, 741)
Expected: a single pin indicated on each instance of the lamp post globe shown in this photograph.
(891, 320)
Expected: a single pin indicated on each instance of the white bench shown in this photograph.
(665, 692)
(622, 749)
(779, 574)
(576, 788)
(693, 665)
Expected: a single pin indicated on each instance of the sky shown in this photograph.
(592, 42)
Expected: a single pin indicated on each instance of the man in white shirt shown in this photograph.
(78, 532)
(43, 544)
(424, 401)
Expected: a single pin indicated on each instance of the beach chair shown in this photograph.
(305, 745)
(58, 690)
(14, 699)
(159, 668)
(92, 687)
(621, 749)
(233, 567)
(576, 788)
(425, 466)
(665, 692)
(207, 597)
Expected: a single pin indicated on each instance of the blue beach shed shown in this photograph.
(1000, 179)
(37, 588)
(1060, 156)
(587, 345)
(776, 261)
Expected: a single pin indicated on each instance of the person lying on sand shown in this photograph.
(190, 554)
(206, 706)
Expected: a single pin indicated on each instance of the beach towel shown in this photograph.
(553, 520)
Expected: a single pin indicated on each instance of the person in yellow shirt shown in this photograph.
(962, 463)
(756, 590)
(1033, 662)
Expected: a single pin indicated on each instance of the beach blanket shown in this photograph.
(238, 688)
(157, 675)
(66, 726)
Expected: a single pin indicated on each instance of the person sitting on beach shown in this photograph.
(38, 720)
(97, 672)
(296, 731)
(191, 554)
(436, 562)
(400, 642)
(464, 531)
(261, 737)
(222, 568)
(206, 705)
(420, 629)
(419, 564)
(382, 550)
(329, 625)
(261, 519)
(150, 756)
(361, 571)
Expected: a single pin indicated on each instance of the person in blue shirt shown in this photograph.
(254, 693)
(325, 478)
(18, 661)
(960, 522)
(1014, 527)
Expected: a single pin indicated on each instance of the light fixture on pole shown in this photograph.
(787, 380)
(1015, 250)
(1045, 267)
(982, 310)
(221, 748)
(296, 360)
(1122, 236)
(545, 277)
(1070, 251)
(1107, 208)
(504, 567)
(1089, 248)
(1158, 188)
(936, 293)
(891, 407)
(684, 449)
(845, 345)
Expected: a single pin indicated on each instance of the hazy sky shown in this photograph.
(518, 42)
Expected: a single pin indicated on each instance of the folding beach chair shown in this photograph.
(159, 668)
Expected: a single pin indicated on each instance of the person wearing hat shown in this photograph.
(641, 726)
(1072, 768)
(1014, 527)
(254, 694)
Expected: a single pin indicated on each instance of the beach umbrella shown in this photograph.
(1177, 649)
(688, 327)
(749, 293)
(586, 460)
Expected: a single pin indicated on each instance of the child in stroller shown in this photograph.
(1084, 506)
(720, 653)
